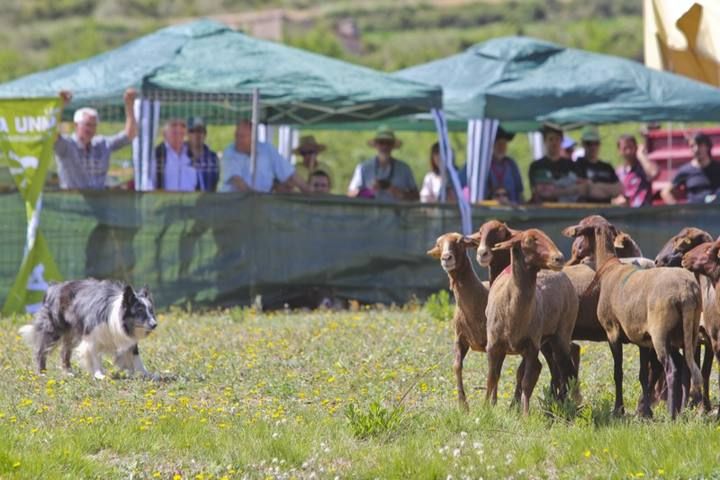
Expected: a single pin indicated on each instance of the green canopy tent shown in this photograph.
(206, 66)
(524, 82)
(213, 61)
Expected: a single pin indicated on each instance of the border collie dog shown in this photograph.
(93, 317)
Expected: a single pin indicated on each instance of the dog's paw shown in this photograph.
(99, 376)
(153, 377)
(68, 373)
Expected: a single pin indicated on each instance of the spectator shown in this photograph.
(432, 183)
(504, 183)
(271, 167)
(383, 177)
(173, 168)
(697, 179)
(603, 182)
(83, 158)
(320, 182)
(637, 188)
(203, 159)
(308, 150)
(568, 147)
(553, 178)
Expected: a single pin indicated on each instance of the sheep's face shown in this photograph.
(671, 254)
(582, 247)
(490, 234)
(702, 259)
(450, 249)
(537, 249)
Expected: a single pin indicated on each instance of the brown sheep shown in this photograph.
(671, 255)
(658, 308)
(521, 315)
(703, 260)
(488, 235)
(625, 248)
(471, 297)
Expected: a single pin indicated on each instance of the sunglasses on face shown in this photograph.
(308, 152)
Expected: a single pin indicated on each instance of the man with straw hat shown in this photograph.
(383, 177)
(308, 150)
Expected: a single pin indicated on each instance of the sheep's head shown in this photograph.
(537, 249)
(582, 247)
(704, 259)
(450, 250)
(625, 246)
(671, 254)
(488, 235)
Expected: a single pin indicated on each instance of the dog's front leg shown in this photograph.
(90, 360)
(140, 367)
(124, 361)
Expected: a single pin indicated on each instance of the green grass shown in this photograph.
(250, 395)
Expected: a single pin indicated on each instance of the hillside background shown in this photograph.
(386, 35)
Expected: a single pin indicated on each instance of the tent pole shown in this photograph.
(254, 136)
(446, 163)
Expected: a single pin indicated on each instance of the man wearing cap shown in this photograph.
(83, 158)
(203, 159)
(308, 150)
(603, 182)
(271, 168)
(384, 177)
(173, 168)
(553, 178)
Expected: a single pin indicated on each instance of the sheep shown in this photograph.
(488, 235)
(671, 255)
(663, 312)
(521, 314)
(470, 301)
(581, 271)
(704, 260)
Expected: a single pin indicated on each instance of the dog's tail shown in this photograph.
(27, 332)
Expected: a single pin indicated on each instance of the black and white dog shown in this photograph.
(94, 317)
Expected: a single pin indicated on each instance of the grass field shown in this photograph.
(367, 394)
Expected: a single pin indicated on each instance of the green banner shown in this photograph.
(28, 129)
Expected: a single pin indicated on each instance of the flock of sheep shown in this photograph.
(535, 302)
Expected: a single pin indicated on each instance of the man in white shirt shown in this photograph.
(271, 167)
(174, 170)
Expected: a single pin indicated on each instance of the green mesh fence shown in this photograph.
(223, 249)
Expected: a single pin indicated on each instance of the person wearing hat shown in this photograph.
(603, 182)
(697, 179)
(308, 150)
(504, 182)
(553, 178)
(383, 177)
(204, 160)
(173, 168)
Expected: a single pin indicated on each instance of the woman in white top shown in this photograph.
(432, 183)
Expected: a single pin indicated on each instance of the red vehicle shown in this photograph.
(669, 149)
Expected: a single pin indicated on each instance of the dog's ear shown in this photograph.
(144, 292)
(128, 296)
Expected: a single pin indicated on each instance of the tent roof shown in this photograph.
(207, 57)
(520, 79)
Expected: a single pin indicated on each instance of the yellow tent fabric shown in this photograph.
(683, 36)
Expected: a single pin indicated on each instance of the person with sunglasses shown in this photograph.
(308, 150)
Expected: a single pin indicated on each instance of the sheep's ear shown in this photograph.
(508, 244)
(573, 231)
(471, 241)
(435, 252)
(620, 240)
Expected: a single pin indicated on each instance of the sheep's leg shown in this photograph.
(555, 374)
(706, 371)
(617, 354)
(530, 376)
(563, 359)
(518, 383)
(690, 317)
(575, 356)
(643, 408)
(717, 357)
(496, 357)
(461, 349)
(682, 378)
(657, 379)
